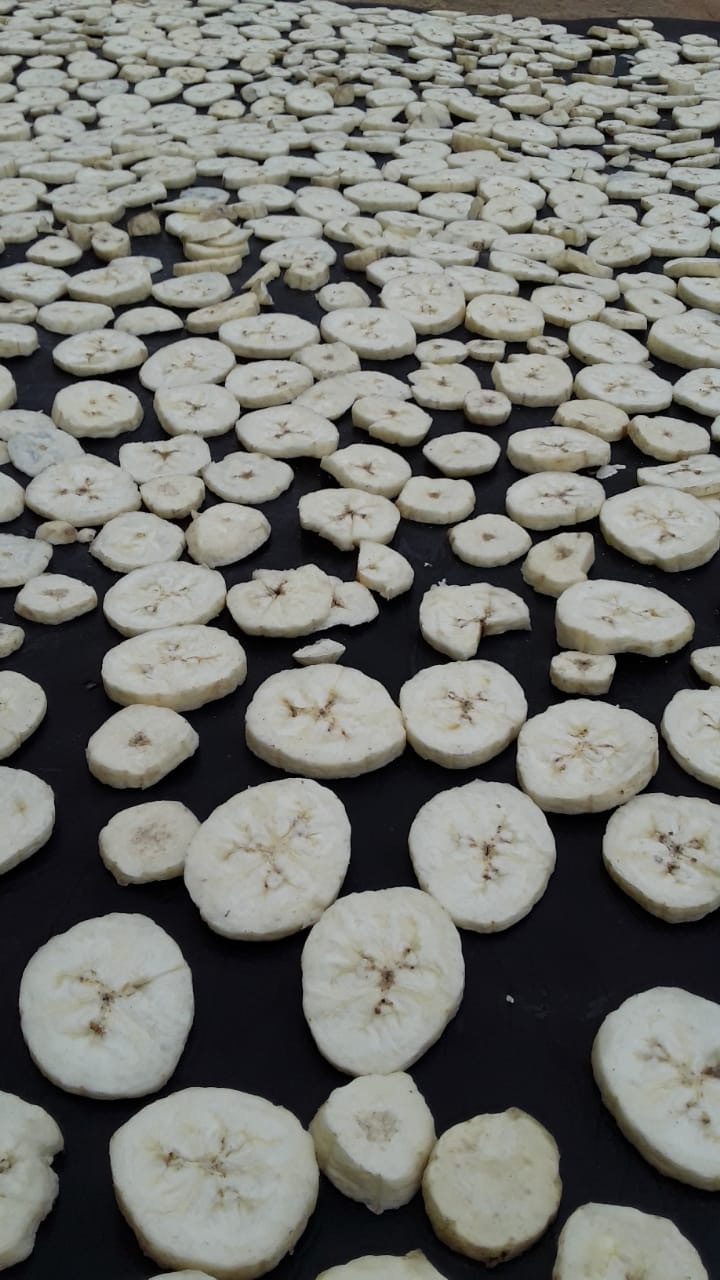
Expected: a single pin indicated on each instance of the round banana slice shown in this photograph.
(664, 851)
(33, 451)
(144, 320)
(691, 729)
(584, 757)
(269, 337)
(87, 492)
(136, 539)
(691, 341)
(184, 455)
(96, 409)
(660, 526)
(600, 1241)
(432, 304)
(99, 351)
(596, 416)
(706, 663)
(261, 384)
(391, 420)
(187, 363)
(22, 559)
(462, 713)
(319, 651)
(327, 360)
(553, 499)
(29, 1186)
(180, 667)
(203, 410)
(383, 975)
(485, 851)
(655, 1063)
(226, 533)
(383, 570)
(372, 1139)
(462, 453)
(74, 317)
(413, 1266)
(489, 541)
(53, 598)
(455, 619)
(164, 595)
(500, 316)
(556, 449)
(282, 602)
(535, 380)
(249, 478)
(372, 332)
(203, 289)
(347, 517)
(147, 842)
(443, 386)
(492, 1185)
(436, 501)
(12, 638)
(603, 616)
(556, 563)
(668, 439)
(106, 1007)
(12, 499)
(173, 497)
(324, 722)
(634, 388)
(287, 431)
(441, 351)
(368, 467)
(139, 746)
(269, 861)
(33, 282)
(22, 709)
(215, 1179)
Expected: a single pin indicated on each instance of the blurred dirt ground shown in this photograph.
(690, 11)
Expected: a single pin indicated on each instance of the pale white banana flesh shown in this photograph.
(148, 841)
(28, 1184)
(413, 1266)
(601, 1241)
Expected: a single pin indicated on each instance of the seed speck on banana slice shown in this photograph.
(53, 598)
(180, 667)
(173, 593)
(601, 1241)
(140, 745)
(28, 1184)
(462, 713)
(147, 842)
(659, 526)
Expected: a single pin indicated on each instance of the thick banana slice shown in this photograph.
(485, 851)
(601, 1241)
(383, 570)
(604, 616)
(180, 667)
(661, 526)
(583, 757)
(320, 651)
(584, 673)
(11, 639)
(535, 380)
(553, 499)
(706, 663)
(202, 410)
(655, 1061)
(99, 351)
(565, 306)
(369, 467)
(226, 533)
(106, 1007)
(601, 419)
(22, 710)
(164, 595)
(414, 1266)
(691, 729)
(96, 409)
(147, 841)
(139, 746)
(454, 619)
(287, 431)
(500, 316)
(489, 541)
(634, 388)
(462, 713)
(186, 363)
(27, 815)
(435, 501)
(28, 1185)
(262, 383)
(53, 598)
(556, 449)
(554, 564)
(383, 974)
(668, 439)
(492, 1185)
(462, 453)
(282, 602)
(270, 860)
(347, 517)
(372, 1139)
(173, 497)
(215, 1179)
(324, 722)
(135, 539)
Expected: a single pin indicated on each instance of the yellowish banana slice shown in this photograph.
(165, 595)
(389, 419)
(596, 416)
(583, 673)
(706, 663)
(147, 842)
(383, 570)
(347, 517)
(442, 351)
(33, 282)
(661, 526)
(443, 386)
(172, 497)
(86, 492)
(463, 713)
(320, 651)
(699, 390)
(597, 1239)
(413, 1266)
(202, 410)
(124, 281)
(180, 667)
(462, 453)
(187, 363)
(22, 710)
(140, 745)
(17, 340)
(209, 319)
(603, 616)
(99, 351)
(552, 499)
(52, 598)
(327, 360)
(668, 439)
(135, 539)
(31, 1139)
(282, 602)
(487, 408)
(373, 333)
(96, 409)
(455, 619)
(436, 501)
(11, 639)
(226, 533)
(184, 455)
(368, 467)
(556, 449)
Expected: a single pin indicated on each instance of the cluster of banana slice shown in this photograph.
(476, 215)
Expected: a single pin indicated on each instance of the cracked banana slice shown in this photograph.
(106, 1007)
(661, 526)
(691, 729)
(383, 570)
(664, 851)
(22, 710)
(352, 605)
(28, 1184)
(413, 1266)
(462, 713)
(492, 1185)
(499, 316)
(706, 663)
(391, 420)
(287, 431)
(53, 598)
(99, 351)
(556, 449)
(489, 541)
(180, 667)
(604, 616)
(275, 337)
(282, 602)
(536, 380)
(462, 453)
(455, 619)
(324, 722)
(320, 651)
(143, 320)
(216, 1179)
(485, 851)
(655, 1061)
(596, 416)
(164, 595)
(187, 363)
(373, 333)
(584, 673)
(552, 499)
(601, 1241)
(87, 492)
(202, 410)
(634, 388)
(184, 455)
(555, 564)
(147, 842)
(699, 476)
(173, 497)
(27, 815)
(22, 559)
(269, 861)
(435, 501)
(383, 975)
(260, 384)
(11, 639)
(140, 745)
(136, 539)
(668, 439)
(347, 517)
(368, 467)
(372, 1139)
(96, 409)
(584, 757)
(226, 533)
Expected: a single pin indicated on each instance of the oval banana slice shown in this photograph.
(22, 710)
(136, 539)
(553, 499)
(147, 842)
(661, 526)
(87, 492)
(599, 1239)
(99, 351)
(556, 449)
(282, 602)
(462, 713)
(29, 1185)
(604, 616)
(187, 363)
(96, 409)
(180, 667)
(139, 746)
(53, 598)
(27, 815)
(287, 431)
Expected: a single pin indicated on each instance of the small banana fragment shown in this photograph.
(140, 745)
(584, 673)
(454, 619)
(601, 1241)
(320, 651)
(147, 842)
(461, 714)
(28, 1186)
(11, 639)
(552, 566)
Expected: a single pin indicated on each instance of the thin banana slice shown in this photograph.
(443, 386)
(596, 416)
(127, 280)
(383, 975)
(661, 526)
(287, 431)
(634, 388)
(324, 722)
(492, 1185)
(203, 290)
(373, 333)
(106, 1007)
(413, 1266)
(96, 409)
(436, 501)
(202, 410)
(22, 710)
(172, 497)
(455, 619)
(249, 478)
(706, 663)
(368, 467)
(31, 1139)
(11, 639)
(165, 595)
(282, 602)
(553, 499)
(555, 564)
(320, 651)
(535, 380)
(565, 306)
(135, 539)
(583, 673)
(463, 713)
(655, 1063)
(147, 842)
(597, 343)
(372, 1139)
(668, 439)
(87, 492)
(99, 351)
(184, 455)
(391, 420)
(488, 541)
(600, 1241)
(139, 746)
(226, 533)
(485, 851)
(691, 729)
(604, 616)
(269, 861)
(22, 559)
(383, 570)
(53, 598)
(180, 667)
(584, 757)
(187, 363)
(347, 517)
(215, 1179)
(462, 453)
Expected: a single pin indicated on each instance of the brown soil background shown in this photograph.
(688, 11)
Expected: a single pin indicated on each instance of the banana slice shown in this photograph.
(596, 416)
(564, 306)
(691, 729)
(455, 619)
(144, 320)
(503, 317)
(22, 710)
(34, 450)
(173, 497)
(136, 539)
(553, 499)
(661, 526)
(327, 360)
(352, 605)
(53, 598)
(269, 861)
(321, 651)
(584, 757)
(12, 499)
(463, 713)
(604, 617)
(414, 1266)
(443, 386)
(106, 1007)
(536, 380)
(668, 439)
(556, 449)
(184, 455)
(600, 1241)
(276, 337)
(492, 1185)
(664, 851)
(691, 341)
(383, 975)
(204, 290)
(187, 363)
(699, 390)
(282, 602)
(373, 333)
(372, 1139)
(11, 639)
(706, 663)
(215, 1178)
(27, 814)
(140, 745)
(17, 340)
(96, 409)
(74, 317)
(389, 419)
(435, 501)
(202, 410)
(99, 351)
(655, 1063)
(260, 384)
(584, 673)
(209, 319)
(485, 851)
(165, 595)
(287, 431)
(22, 559)
(248, 478)
(441, 351)
(368, 467)
(29, 1186)
(383, 570)
(432, 304)
(634, 388)
(489, 541)
(180, 667)
(555, 564)
(347, 517)
(341, 296)
(462, 453)
(33, 282)
(147, 842)
(597, 343)
(226, 533)
(699, 476)
(87, 492)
